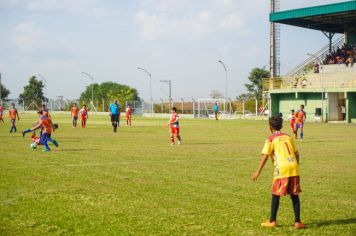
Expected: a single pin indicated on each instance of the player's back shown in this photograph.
(46, 124)
(74, 111)
(284, 158)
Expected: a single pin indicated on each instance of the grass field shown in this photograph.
(134, 183)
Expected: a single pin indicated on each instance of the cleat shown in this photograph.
(299, 225)
(23, 134)
(172, 144)
(179, 142)
(55, 143)
(46, 150)
(269, 224)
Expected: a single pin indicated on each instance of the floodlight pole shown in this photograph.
(150, 75)
(321, 85)
(222, 63)
(182, 104)
(169, 82)
(45, 86)
(92, 89)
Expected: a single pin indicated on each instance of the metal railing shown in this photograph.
(300, 69)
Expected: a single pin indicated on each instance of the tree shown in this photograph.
(254, 88)
(214, 94)
(4, 92)
(32, 93)
(109, 91)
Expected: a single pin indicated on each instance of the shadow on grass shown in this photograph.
(332, 222)
(77, 149)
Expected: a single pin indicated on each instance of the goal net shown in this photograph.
(206, 107)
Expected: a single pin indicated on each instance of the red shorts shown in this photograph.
(174, 130)
(84, 118)
(288, 185)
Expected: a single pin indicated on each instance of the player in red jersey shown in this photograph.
(292, 123)
(174, 126)
(128, 115)
(1, 109)
(84, 115)
(300, 117)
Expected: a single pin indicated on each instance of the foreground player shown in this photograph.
(114, 110)
(128, 115)
(285, 157)
(74, 114)
(174, 126)
(13, 114)
(300, 117)
(84, 115)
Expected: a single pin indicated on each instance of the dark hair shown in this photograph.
(292, 110)
(302, 105)
(276, 122)
(40, 112)
(174, 109)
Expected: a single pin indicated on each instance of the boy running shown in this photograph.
(46, 125)
(13, 114)
(74, 114)
(114, 110)
(174, 126)
(300, 117)
(128, 115)
(84, 115)
(285, 157)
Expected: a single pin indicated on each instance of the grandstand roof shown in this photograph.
(334, 18)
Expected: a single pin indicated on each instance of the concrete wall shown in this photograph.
(288, 101)
(351, 97)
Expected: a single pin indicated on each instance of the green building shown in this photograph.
(328, 92)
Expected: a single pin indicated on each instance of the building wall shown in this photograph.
(283, 103)
(351, 97)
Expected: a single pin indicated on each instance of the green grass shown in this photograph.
(133, 183)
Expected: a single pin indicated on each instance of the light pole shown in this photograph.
(169, 82)
(321, 85)
(182, 105)
(222, 63)
(45, 86)
(149, 74)
(92, 89)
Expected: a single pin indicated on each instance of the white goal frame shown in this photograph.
(205, 107)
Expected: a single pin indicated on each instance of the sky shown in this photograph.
(177, 40)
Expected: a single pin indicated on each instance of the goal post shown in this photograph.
(206, 107)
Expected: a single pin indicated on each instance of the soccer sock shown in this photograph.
(26, 131)
(44, 142)
(274, 208)
(172, 139)
(296, 207)
(178, 137)
(15, 128)
(301, 135)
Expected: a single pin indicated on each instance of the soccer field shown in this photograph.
(134, 183)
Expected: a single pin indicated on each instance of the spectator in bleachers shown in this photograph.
(316, 67)
(344, 55)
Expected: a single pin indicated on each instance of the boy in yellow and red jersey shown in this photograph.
(13, 114)
(84, 115)
(174, 126)
(300, 117)
(285, 157)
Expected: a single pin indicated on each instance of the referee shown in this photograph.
(114, 110)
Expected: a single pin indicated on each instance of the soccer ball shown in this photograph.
(33, 145)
